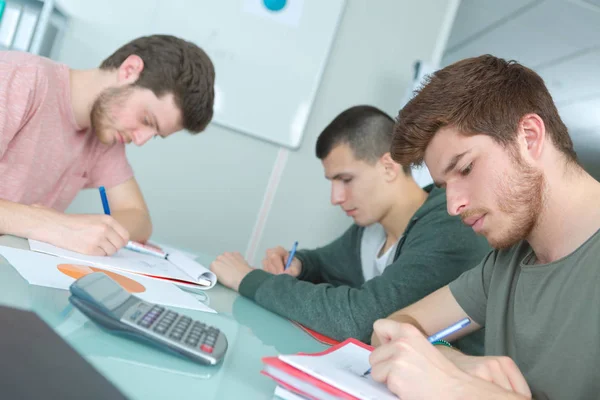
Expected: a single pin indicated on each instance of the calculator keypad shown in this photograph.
(180, 329)
(195, 334)
(165, 323)
(151, 316)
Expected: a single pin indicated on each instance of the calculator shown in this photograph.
(105, 302)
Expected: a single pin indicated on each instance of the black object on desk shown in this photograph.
(36, 363)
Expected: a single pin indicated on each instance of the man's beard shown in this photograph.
(521, 198)
(102, 120)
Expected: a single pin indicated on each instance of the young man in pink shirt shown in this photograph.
(62, 130)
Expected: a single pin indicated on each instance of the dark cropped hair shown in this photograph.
(365, 129)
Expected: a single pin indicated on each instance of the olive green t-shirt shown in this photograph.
(546, 317)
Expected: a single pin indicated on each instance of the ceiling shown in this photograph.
(559, 39)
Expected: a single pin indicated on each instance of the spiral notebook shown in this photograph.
(177, 268)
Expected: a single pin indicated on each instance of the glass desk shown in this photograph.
(142, 372)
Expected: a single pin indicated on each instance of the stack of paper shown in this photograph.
(336, 373)
(283, 393)
(44, 270)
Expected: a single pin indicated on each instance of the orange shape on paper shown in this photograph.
(77, 271)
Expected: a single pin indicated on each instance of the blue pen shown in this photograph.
(442, 334)
(291, 256)
(135, 246)
(449, 330)
(104, 200)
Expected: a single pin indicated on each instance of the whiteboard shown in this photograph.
(420, 174)
(268, 63)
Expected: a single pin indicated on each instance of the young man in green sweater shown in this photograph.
(402, 246)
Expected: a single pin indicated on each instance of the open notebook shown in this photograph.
(178, 268)
(336, 373)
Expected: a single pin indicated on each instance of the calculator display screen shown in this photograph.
(107, 292)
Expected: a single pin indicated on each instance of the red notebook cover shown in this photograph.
(318, 336)
(275, 362)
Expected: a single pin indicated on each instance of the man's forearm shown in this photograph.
(137, 222)
(21, 220)
(407, 319)
(475, 388)
(309, 272)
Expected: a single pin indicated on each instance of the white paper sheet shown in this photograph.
(344, 369)
(42, 270)
(178, 266)
(169, 249)
(283, 393)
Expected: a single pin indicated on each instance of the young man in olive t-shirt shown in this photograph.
(490, 133)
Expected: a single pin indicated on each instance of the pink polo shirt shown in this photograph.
(45, 157)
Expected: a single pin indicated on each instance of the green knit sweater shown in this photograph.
(332, 297)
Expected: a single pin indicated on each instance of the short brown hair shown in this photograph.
(481, 95)
(173, 65)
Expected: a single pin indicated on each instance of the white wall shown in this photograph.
(205, 191)
(566, 58)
